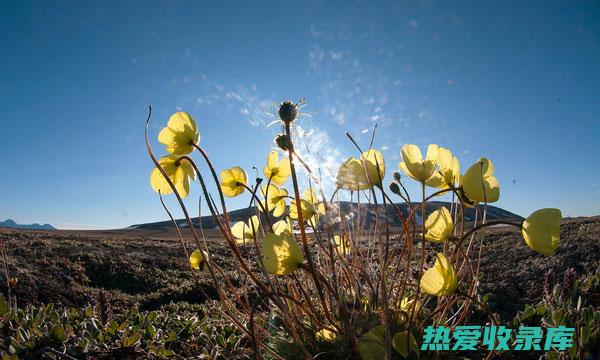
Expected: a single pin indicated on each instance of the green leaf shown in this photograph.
(405, 343)
(371, 345)
(172, 337)
(131, 340)
(4, 308)
(59, 333)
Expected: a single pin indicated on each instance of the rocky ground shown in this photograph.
(147, 268)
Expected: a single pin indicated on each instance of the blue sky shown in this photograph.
(513, 81)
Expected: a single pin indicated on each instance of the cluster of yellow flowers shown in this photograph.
(281, 254)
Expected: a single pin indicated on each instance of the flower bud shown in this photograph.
(396, 176)
(283, 141)
(395, 188)
(288, 111)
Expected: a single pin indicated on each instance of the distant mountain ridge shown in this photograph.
(368, 213)
(10, 223)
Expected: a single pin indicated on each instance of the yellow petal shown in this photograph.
(282, 226)
(281, 253)
(197, 261)
(232, 181)
(352, 176)
(414, 165)
(478, 183)
(541, 230)
(375, 166)
(179, 171)
(159, 183)
(238, 230)
(439, 280)
(277, 171)
(180, 132)
(325, 335)
(439, 225)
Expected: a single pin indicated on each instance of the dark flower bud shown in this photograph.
(283, 141)
(397, 176)
(395, 188)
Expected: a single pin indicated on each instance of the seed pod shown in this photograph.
(288, 111)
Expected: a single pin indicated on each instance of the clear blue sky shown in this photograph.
(518, 82)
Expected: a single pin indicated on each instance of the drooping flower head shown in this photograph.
(243, 232)
(447, 174)
(310, 206)
(414, 165)
(180, 134)
(198, 259)
(361, 174)
(233, 181)
(479, 184)
(541, 230)
(351, 175)
(274, 199)
(439, 225)
(439, 280)
(178, 170)
(281, 254)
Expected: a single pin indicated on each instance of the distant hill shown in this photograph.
(367, 212)
(13, 225)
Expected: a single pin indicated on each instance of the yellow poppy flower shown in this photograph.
(179, 171)
(439, 225)
(351, 175)
(311, 208)
(277, 170)
(448, 172)
(243, 232)
(325, 335)
(541, 230)
(281, 254)
(180, 134)
(361, 174)
(478, 183)
(342, 243)
(233, 181)
(414, 165)
(197, 261)
(439, 280)
(405, 343)
(371, 345)
(275, 199)
(282, 226)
